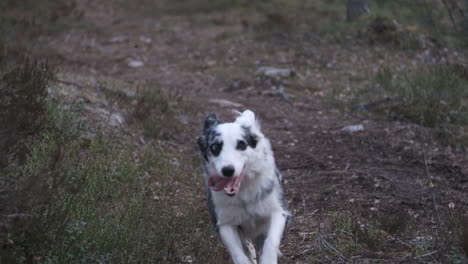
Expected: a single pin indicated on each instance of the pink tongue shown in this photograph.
(217, 183)
(232, 187)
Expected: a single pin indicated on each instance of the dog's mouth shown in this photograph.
(230, 185)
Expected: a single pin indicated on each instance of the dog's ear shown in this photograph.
(251, 127)
(211, 120)
(247, 119)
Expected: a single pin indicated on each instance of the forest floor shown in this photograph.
(387, 193)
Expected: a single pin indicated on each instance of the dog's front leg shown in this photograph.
(231, 239)
(271, 245)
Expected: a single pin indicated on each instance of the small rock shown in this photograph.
(280, 91)
(225, 103)
(135, 64)
(146, 39)
(353, 128)
(187, 259)
(116, 119)
(236, 85)
(184, 119)
(118, 39)
(210, 63)
(275, 72)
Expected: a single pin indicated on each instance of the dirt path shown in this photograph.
(330, 174)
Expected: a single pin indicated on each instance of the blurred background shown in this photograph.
(101, 102)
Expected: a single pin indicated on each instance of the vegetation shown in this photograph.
(72, 192)
(431, 96)
(23, 21)
(84, 198)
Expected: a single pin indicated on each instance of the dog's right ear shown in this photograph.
(211, 120)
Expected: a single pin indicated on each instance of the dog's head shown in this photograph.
(226, 148)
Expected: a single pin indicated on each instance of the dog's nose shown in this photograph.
(228, 171)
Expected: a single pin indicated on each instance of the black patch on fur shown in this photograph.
(265, 191)
(259, 242)
(202, 144)
(209, 134)
(211, 120)
(284, 202)
(212, 211)
(250, 137)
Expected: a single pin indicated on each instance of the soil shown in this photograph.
(389, 168)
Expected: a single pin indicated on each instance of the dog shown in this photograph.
(244, 188)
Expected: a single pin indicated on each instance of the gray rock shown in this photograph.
(225, 103)
(135, 64)
(116, 119)
(273, 72)
(353, 128)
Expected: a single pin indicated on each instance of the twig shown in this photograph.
(12, 216)
(427, 254)
(332, 248)
(434, 202)
(69, 83)
(449, 10)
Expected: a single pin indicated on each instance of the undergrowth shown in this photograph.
(433, 96)
(413, 24)
(155, 111)
(75, 197)
(357, 236)
(21, 22)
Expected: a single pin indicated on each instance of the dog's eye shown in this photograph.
(216, 148)
(241, 145)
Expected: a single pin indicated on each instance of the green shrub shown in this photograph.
(432, 96)
(156, 114)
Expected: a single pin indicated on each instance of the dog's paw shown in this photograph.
(269, 258)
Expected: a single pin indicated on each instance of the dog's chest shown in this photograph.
(235, 211)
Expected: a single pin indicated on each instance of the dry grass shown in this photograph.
(81, 197)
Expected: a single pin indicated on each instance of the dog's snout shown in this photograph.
(228, 171)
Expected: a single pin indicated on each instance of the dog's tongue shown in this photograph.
(230, 185)
(217, 183)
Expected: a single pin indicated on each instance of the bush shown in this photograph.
(156, 114)
(432, 96)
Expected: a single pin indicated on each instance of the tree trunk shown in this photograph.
(356, 8)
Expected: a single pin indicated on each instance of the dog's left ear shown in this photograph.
(247, 119)
(251, 127)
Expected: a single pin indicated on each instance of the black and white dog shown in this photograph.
(245, 196)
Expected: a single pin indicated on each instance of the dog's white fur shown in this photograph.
(258, 211)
